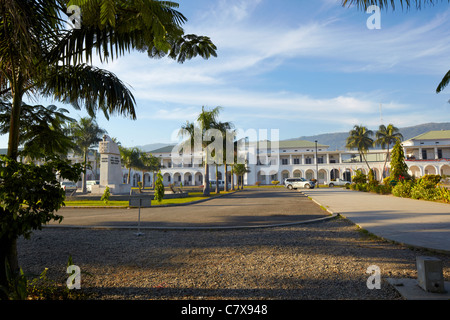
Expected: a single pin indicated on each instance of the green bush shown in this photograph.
(106, 194)
(359, 178)
(444, 194)
(403, 189)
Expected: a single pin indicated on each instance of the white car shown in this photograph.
(339, 182)
(69, 186)
(295, 183)
(90, 183)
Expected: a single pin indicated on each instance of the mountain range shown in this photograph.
(336, 140)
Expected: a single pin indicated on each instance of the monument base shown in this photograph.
(113, 189)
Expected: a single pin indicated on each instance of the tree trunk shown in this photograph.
(8, 247)
(217, 180)
(226, 178)
(8, 252)
(206, 191)
(83, 183)
(232, 178)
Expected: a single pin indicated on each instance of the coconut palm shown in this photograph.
(40, 56)
(387, 136)
(86, 134)
(131, 159)
(240, 169)
(360, 139)
(206, 120)
(225, 128)
(364, 4)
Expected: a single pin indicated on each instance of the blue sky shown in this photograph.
(303, 67)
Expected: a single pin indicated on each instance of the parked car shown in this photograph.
(338, 182)
(295, 183)
(90, 183)
(69, 186)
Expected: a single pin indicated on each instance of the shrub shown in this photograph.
(258, 183)
(159, 188)
(403, 189)
(106, 194)
(444, 194)
(359, 177)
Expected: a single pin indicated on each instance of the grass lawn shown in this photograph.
(194, 196)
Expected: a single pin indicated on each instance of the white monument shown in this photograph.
(110, 169)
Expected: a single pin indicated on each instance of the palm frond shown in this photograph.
(92, 87)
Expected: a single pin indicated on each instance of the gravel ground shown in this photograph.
(326, 260)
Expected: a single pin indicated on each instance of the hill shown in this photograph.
(336, 141)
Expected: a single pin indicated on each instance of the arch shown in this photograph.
(415, 171)
(309, 174)
(147, 179)
(125, 177)
(376, 173)
(347, 174)
(167, 179)
(297, 173)
(187, 179)
(261, 177)
(445, 170)
(430, 169)
(177, 178)
(284, 175)
(136, 178)
(334, 174)
(198, 178)
(323, 176)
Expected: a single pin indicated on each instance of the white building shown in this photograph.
(428, 153)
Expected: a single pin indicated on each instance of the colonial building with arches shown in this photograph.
(425, 154)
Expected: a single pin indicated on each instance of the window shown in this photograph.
(284, 161)
(439, 153)
(308, 161)
(296, 161)
(424, 154)
(320, 160)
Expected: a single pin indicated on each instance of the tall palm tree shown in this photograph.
(131, 159)
(240, 169)
(225, 128)
(360, 139)
(387, 136)
(86, 134)
(206, 120)
(364, 4)
(39, 55)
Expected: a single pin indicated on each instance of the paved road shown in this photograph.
(408, 221)
(246, 208)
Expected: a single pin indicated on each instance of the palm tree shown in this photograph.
(387, 136)
(149, 163)
(225, 128)
(364, 4)
(131, 159)
(39, 55)
(206, 120)
(240, 169)
(360, 139)
(86, 134)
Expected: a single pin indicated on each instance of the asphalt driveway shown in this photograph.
(251, 207)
